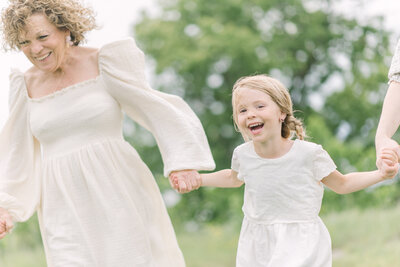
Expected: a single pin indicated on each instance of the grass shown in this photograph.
(369, 238)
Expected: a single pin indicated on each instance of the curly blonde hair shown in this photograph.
(279, 94)
(64, 14)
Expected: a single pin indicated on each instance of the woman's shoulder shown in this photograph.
(31, 74)
(86, 53)
(85, 59)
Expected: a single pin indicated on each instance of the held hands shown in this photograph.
(185, 181)
(386, 143)
(6, 223)
(388, 162)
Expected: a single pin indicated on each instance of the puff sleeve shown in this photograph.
(19, 156)
(323, 164)
(394, 71)
(177, 130)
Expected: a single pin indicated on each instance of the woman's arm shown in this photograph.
(224, 178)
(390, 119)
(352, 182)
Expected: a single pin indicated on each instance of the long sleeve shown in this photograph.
(19, 157)
(176, 128)
(394, 71)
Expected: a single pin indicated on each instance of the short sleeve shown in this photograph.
(176, 128)
(235, 164)
(19, 156)
(394, 71)
(323, 164)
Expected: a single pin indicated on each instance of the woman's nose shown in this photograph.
(36, 47)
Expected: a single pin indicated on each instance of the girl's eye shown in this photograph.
(260, 106)
(242, 111)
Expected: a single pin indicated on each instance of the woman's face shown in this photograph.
(43, 43)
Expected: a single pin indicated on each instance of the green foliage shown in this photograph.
(334, 67)
(23, 247)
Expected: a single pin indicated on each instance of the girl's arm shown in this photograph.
(348, 183)
(224, 178)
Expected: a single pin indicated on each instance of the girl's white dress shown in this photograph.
(64, 156)
(282, 199)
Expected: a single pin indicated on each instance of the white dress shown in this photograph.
(282, 200)
(64, 156)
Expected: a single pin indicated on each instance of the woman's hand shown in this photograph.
(185, 181)
(389, 163)
(385, 143)
(6, 223)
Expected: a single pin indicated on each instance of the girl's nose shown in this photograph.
(250, 113)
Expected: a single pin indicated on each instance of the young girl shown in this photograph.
(282, 177)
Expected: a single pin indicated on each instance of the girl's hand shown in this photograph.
(6, 223)
(185, 181)
(388, 163)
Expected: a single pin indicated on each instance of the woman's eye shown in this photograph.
(42, 36)
(23, 43)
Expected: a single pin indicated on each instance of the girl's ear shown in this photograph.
(283, 116)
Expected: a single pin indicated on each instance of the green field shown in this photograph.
(369, 238)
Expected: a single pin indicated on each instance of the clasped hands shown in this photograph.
(388, 156)
(185, 181)
(6, 223)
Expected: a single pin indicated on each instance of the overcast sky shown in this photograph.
(118, 16)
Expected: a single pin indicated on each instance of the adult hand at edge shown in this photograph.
(6, 223)
(384, 143)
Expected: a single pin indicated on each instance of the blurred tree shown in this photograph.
(334, 67)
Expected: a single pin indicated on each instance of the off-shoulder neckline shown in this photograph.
(75, 85)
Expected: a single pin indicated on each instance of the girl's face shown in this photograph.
(259, 117)
(43, 43)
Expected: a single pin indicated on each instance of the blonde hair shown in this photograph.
(64, 14)
(279, 94)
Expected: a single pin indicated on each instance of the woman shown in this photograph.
(62, 152)
(390, 117)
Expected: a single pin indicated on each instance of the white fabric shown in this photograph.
(282, 200)
(98, 203)
(394, 71)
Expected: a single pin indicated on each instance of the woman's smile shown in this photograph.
(42, 58)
